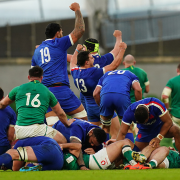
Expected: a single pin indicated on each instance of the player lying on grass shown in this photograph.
(40, 149)
(104, 158)
(161, 157)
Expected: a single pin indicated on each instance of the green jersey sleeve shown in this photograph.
(13, 92)
(146, 78)
(169, 84)
(53, 100)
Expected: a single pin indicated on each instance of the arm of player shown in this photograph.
(79, 29)
(73, 62)
(10, 133)
(61, 114)
(69, 56)
(137, 90)
(74, 148)
(165, 96)
(117, 61)
(80, 160)
(96, 94)
(166, 119)
(147, 88)
(118, 35)
(123, 131)
(5, 102)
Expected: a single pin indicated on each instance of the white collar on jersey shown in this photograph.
(48, 39)
(142, 105)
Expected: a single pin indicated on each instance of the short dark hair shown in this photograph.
(90, 43)
(100, 135)
(82, 57)
(141, 114)
(1, 93)
(52, 29)
(36, 71)
(178, 66)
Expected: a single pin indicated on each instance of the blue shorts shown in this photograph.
(66, 98)
(93, 113)
(111, 102)
(147, 135)
(49, 155)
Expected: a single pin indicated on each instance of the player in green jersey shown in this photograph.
(103, 159)
(129, 63)
(172, 89)
(32, 101)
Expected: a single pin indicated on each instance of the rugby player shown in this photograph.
(153, 121)
(113, 93)
(32, 101)
(86, 77)
(51, 55)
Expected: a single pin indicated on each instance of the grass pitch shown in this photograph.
(159, 174)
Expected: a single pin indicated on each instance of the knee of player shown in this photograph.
(13, 153)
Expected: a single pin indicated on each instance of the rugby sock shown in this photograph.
(5, 159)
(125, 162)
(153, 163)
(127, 151)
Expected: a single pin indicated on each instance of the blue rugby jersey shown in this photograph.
(102, 61)
(86, 80)
(118, 81)
(7, 118)
(156, 110)
(51, 56)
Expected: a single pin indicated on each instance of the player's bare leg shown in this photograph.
(115, 126)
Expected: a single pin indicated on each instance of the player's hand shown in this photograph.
(117, 33)
(70, 121)
(84, 168)
(123, 45)
(61, 146)
(74, 6)
(154, 142)
(79, 47)
(89, 151)
(110, 141)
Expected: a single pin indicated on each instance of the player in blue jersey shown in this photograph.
(89, 135)
(7, 121)
(86, 78)
(113, 93)
(40, 149)
(51, 55)
(153, 121)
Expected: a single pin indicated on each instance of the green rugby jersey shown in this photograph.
(174, 84)
(143, 80)
(32, 101)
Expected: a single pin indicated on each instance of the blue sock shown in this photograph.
(5, 159)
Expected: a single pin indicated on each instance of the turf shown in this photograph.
(160, 174)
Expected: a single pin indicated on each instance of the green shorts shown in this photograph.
(70, 161)
(174, 159)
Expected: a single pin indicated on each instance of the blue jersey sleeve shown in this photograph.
(13, 117)
(128, 116)
(33, 63)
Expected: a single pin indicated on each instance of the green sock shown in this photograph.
(125, 162)
(127, 151)
(153, 164)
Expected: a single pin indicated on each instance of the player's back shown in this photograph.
(86, 81)
(118, 81)
(7, 118)
(51, 55)
(32, 101)
(174, 84)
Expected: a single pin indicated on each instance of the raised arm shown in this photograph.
(118, 35)
(117, 61)
(73, 62)
(79, 29)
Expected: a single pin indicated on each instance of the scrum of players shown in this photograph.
(42, 138)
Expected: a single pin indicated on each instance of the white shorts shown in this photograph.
(99, 160)
(166, 162)
(34, 131)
